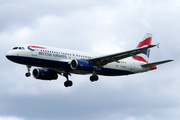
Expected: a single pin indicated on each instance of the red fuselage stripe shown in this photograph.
(139, 58)
(36, 47)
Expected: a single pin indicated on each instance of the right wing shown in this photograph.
(103, 60)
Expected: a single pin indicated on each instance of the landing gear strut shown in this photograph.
(67, 83)
(28, 74)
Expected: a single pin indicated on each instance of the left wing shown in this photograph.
(103, 60)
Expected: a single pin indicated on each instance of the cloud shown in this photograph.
(99, 27)
(10, 118)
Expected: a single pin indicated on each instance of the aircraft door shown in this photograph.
(131, 64)
(34, 53)
(73, 56)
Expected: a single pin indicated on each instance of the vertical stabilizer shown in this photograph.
(144, 55)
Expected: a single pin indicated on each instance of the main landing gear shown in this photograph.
(28, 74)
(94, 78)
(67, 83)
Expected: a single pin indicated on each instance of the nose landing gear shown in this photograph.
(28, 74)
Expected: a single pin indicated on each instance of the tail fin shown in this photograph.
(144, 55)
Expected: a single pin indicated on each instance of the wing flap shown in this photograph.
(156, 63)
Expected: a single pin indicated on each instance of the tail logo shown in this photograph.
(144, 55)
(147, 41)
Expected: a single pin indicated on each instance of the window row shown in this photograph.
(65, 54)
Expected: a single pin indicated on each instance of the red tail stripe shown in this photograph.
(139, 58)
(147, 41)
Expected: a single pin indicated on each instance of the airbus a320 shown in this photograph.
(56, 61)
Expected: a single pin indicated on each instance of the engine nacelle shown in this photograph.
(44, 74)
(82, 65)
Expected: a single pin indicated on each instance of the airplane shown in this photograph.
(57, 61)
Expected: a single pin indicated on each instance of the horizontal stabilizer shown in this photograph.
(156, 63)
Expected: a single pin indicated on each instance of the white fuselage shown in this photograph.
(59, 59)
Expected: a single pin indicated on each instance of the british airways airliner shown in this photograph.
(57, 61)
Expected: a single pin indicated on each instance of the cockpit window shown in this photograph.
(20, 48)
(15, 48)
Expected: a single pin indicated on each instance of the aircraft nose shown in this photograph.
(13, 56)
(9, 55)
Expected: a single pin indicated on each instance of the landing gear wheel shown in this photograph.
(94, 78)
(28, 74)
(68, 83)
(91, 78)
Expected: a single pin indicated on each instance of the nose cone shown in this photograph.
(10, 55)
(7, 56)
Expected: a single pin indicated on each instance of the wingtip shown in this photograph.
(158, 45)
(171, 60)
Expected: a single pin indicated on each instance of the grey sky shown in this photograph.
(95, 26)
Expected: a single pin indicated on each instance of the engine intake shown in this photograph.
(82, 65)
(44, 74)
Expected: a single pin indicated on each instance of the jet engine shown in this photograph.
(82, 65)
(44, 74)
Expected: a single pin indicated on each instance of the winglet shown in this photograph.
(158, 45)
